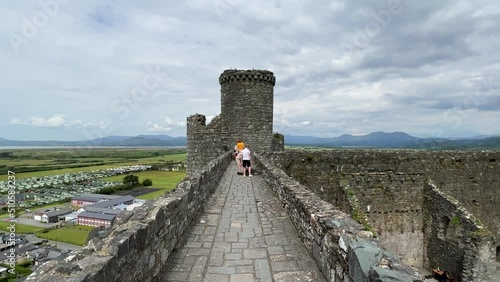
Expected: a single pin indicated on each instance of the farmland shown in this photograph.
(45, 162)
(45, 176)
(163, 181)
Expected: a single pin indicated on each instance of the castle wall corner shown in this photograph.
(203, 142)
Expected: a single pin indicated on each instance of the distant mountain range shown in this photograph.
(373, 140)
(399, 140)
(136, 141)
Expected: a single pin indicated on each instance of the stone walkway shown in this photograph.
(244, 235)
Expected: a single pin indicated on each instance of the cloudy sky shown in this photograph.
(73, 70)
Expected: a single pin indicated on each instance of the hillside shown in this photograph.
(396, 140)
(141, 140)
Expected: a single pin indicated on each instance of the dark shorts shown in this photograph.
(246, 163)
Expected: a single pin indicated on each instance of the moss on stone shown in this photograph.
(455, 221)
(278, 136)
(478, 222)
(350, 192)
(482, 233)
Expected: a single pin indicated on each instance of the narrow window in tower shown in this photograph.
(443, 227)
(498, 257)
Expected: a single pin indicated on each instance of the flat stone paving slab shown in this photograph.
(244, 235)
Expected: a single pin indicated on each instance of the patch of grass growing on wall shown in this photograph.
(455, 221)
(351, 192)
(478, 222)
(278, 136)
(361, 217)
(482, 233)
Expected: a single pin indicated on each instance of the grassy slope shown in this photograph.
(166, 180)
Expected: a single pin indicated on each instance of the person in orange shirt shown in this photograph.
(238, 156)
(240, 145)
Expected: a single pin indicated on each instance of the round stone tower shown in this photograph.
(247, 108)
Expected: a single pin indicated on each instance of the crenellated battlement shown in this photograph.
(203, 141)
(247, 75)
(196, 119)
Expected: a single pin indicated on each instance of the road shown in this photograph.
(31, 222)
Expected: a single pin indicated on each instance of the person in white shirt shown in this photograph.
(246, 162)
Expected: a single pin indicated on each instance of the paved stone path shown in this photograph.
(244, 235)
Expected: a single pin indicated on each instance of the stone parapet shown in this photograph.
(278, 144)
(341, 247)
(203, 142)
(455, 240)
(388, 191)
(137, 247)
(247, 75)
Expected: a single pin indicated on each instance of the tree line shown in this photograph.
(129, 182)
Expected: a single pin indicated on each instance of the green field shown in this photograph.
(20, 228)
(45, 162)
(165, 180)
(76, 235)
(71, 234)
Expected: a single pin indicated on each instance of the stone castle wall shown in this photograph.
(388, 188)
(392, 203)
(137, 247)
(247, 108)
(455, 240)
(278, 143)
(246, 113)
(475, 183)
(341, 247)
(204, 142)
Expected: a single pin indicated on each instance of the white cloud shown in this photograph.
(54, 121)
(170, 122)
(168, 125)
(208, 119)
(154, 127)
(57, 121)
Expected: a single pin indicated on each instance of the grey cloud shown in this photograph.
(93, 53)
